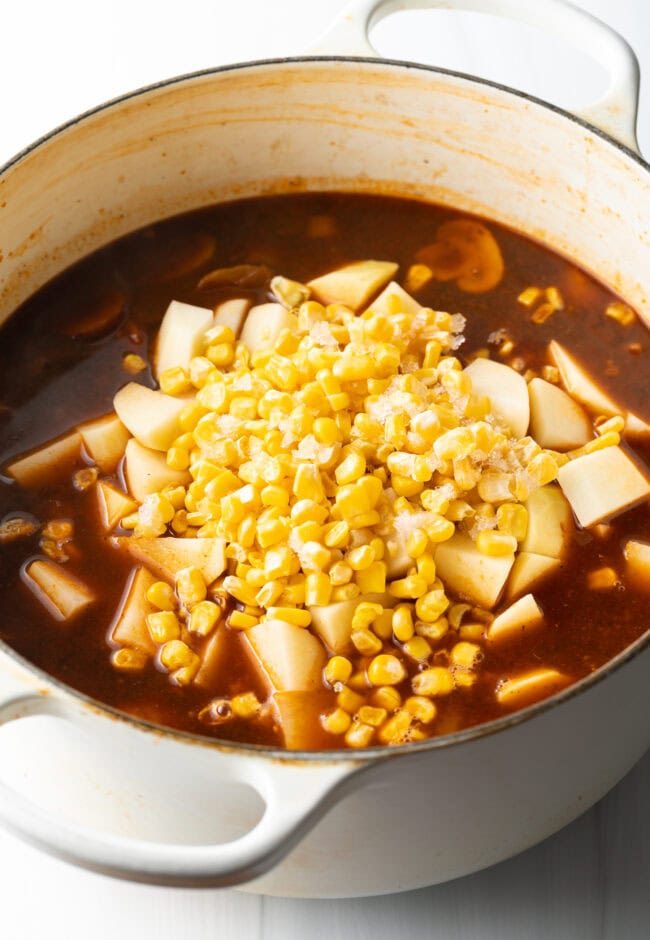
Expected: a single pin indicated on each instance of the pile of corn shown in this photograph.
(318, 460)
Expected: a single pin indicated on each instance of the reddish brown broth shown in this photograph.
(62, 365)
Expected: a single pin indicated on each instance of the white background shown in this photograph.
(592, 880)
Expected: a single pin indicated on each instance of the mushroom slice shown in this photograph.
(602, 484)
(59, 592)
(354, 284)
(239, 275)
(467, 252)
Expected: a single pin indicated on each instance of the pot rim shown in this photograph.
(371, 754)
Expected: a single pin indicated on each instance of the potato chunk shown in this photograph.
(556, 420)
(354, 284)
(602, 484)
(636, 428)
(114, 505)
(579, 384)
(232, 313)
(59, 592)
(333, 622)
(522, 616)
(166, 556)
(49, 462)
(507, 391)
(637, 561)
(264, 324)
(299, 714)
(105, 440)
(146, 471)
(181, 336)
(529, 686)
(150, 416)
(383, 303)
(528, 570)
(129, 628)
(291, 658)
(550, 524)
(214, 658)
(470, 574)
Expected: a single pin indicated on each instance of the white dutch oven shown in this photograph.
(118, 796)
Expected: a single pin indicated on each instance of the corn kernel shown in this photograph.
(620, 312)
(421, 708)
(133, 363)
(402, 623)
(337, 669)
(340, 574)
(365, 642)
(161, 595)
(245, 705)
(190, 586)
(336, 722)
(386, 696)
(437, 680)
(418, 648)
(238, 620)
(359, 735)
(349, 700)
(386, 669)
(465, 654)
(409, 587)
(129, 660)
(396, 728)
(175, 381)
(203, 618)
(601, 579)
(175, 655)
(294, 615)
(360, 558)
(351, 468)
(373, 716)
(163, 626)
(337, 535)
(426, 568)
(495, 544)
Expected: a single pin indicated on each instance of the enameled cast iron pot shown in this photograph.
(122, 797)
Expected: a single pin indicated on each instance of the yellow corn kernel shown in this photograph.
(359, 735)
(416, 277)
(406, 486)
(132, 363)
(240, 590)
(349, 700)
(402, 623)
(308, 532)
(607, 425)
(543, 469)
(620, 312)
(245, 705)
(130, 521)
(203, 618)
(366, 642)
(337, 669)
(365, 614)
(161, 595)
(314, 556)
(529, 296)
(432, 631)
(601, 579)
(340, 574)
(129, 660)
(176, 655)
(374, 716)
(437, 680)
(421, 708)
(426, 568)
(326, 431)
(417, 543)
(190, 586)
(280, 562)
(272, 531)
(465, 654)
(274, 495)
(386, 696)
(238, 620)
(336, 722)
(294, 615)
(177, 458)
(409, 588)
(318, 589)
(175, 381)
(396, 728)
(269, 593)
(386, 669)
(512, 519)
(163, 626)
(364, 520)
(358, 681)
(418, 648)
(495, 544)
(351, 468)
(360, 558)
(306, 510)
(337, 535)
(293, 594)
(430, 606)
(307, 483)
(454, 444)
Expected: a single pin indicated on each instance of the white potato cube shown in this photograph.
(215, 658)
(49, 462)
(129, 627)
(299, 717)
(556, 420)
(264, 324)
(528, 570)
(333, 622)
(530, 686)
(150, 416)
(550, 523)
(114, 505)
(105, 440)
(354, 284)
(636, 428)
(291, 658)
(59, 592)
(166, 556)
(181, 336)
(469, 574)
(637, 561)
(232, 313)
(521, 617)
(602, 484)
(146, 471)
(579, 383)
(507, 391)
(382, 304)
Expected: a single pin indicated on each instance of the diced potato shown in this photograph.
(529, 686)
(354, 284)
(113, 504)
(291, 658)
(59, 592)
(150, 416)
(507, 391)
(129, 628)
(264, 324)
(214, 658)
(550, 523)
(602, 484)
(49, 462)
(528, 570)
(556, 420)
(299, 714)
(468, 573)
(333, 622)
(105, 440)
(383, 303)
(146, 471)
(521, 617)
(637, 561)
(166, 556)
(232, 313)
(579, 384)
(181, 336)
(636, 428)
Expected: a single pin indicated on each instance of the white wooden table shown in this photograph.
(589, 882)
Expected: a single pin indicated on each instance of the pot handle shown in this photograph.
(297, 795)
(615, 113)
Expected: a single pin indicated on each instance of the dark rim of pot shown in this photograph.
(366, 755)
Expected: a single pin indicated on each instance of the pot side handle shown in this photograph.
(615, 113)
